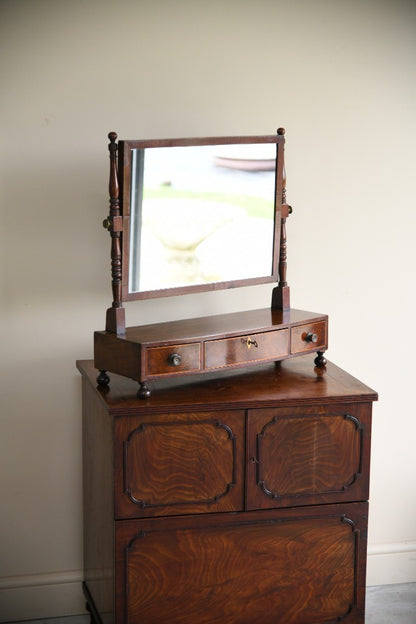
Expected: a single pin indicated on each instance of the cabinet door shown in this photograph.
(308, 455)
(169, 464)
(288, 566)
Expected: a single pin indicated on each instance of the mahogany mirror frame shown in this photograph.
(118, 224)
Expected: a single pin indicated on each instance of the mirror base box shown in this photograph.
(209, 344)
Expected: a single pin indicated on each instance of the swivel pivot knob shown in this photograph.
(108, 224)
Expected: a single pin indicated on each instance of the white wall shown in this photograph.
(340, 77)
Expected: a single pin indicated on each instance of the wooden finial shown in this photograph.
(281, 131)
(113, 180)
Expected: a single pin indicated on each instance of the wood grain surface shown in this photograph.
(266, 569)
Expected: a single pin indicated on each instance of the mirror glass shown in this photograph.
(201, 214)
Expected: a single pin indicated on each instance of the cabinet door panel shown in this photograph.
(304, 566)
(179, 463)
(302, 456)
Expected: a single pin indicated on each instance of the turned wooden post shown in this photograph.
(115, 319)
(281, 294)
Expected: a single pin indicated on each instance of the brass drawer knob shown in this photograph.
(175, 359)
(311, 337)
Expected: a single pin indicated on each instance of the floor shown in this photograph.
(391, 604)
(386, 604)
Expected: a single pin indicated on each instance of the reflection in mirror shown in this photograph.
(201, 214)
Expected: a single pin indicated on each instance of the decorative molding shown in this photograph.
(355, 420)
(350, 523)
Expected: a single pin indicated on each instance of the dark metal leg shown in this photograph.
(90, 606)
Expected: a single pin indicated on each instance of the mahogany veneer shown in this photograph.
(200, 345)
(237, 499)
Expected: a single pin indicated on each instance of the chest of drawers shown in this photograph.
(237, 499)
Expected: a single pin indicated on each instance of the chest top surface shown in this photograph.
(292, 382)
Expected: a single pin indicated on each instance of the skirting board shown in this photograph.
(60, 594)
(388, 564)
(41, 596)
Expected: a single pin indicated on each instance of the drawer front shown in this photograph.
(169, 464)
(304, 456)
(292, 566)
(308, 337)
(246, 349)
(172, 360)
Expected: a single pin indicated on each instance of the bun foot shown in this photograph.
(320, 360)
(143, 391)
(103, 379)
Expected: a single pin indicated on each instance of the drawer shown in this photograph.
(245, 349)
(291, 566)
(172, 360)
(305, 456)
(171, 464)
(308, 337)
